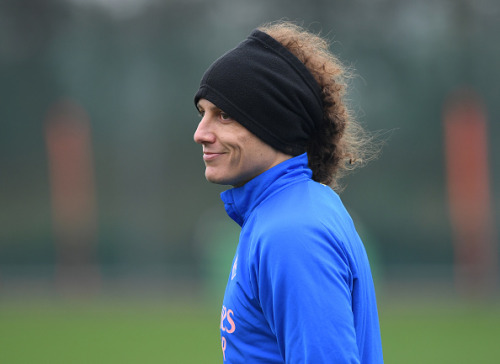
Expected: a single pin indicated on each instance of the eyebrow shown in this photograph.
(211, 108)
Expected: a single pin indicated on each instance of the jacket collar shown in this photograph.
(239, 202)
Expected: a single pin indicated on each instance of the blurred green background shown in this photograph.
(137, 274)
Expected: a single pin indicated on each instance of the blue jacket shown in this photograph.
(300, 289)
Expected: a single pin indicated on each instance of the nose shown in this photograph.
(204, 134)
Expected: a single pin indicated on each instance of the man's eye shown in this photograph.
(201, 113)
(224, 116)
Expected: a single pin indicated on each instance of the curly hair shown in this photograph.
(341, 144)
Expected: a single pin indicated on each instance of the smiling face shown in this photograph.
(232, 154)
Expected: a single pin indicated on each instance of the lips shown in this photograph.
(209, 156)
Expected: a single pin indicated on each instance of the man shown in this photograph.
(275, 127)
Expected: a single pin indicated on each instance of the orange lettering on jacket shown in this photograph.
(223, 345)
(227, 315)
(231, 322)
(227, 325)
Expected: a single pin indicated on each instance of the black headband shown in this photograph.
(268, 90)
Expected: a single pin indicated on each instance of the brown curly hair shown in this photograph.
(341, 144)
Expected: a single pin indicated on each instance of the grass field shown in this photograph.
(127, 332)
(441, 333)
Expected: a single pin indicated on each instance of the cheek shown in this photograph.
(246, 149)
(252, 156)
(241, 148)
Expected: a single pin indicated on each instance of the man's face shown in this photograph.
(232, 154)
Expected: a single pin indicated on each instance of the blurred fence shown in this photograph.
(132, 68)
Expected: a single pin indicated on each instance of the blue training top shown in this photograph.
(300, 289)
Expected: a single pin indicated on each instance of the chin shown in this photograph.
(220, 180)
